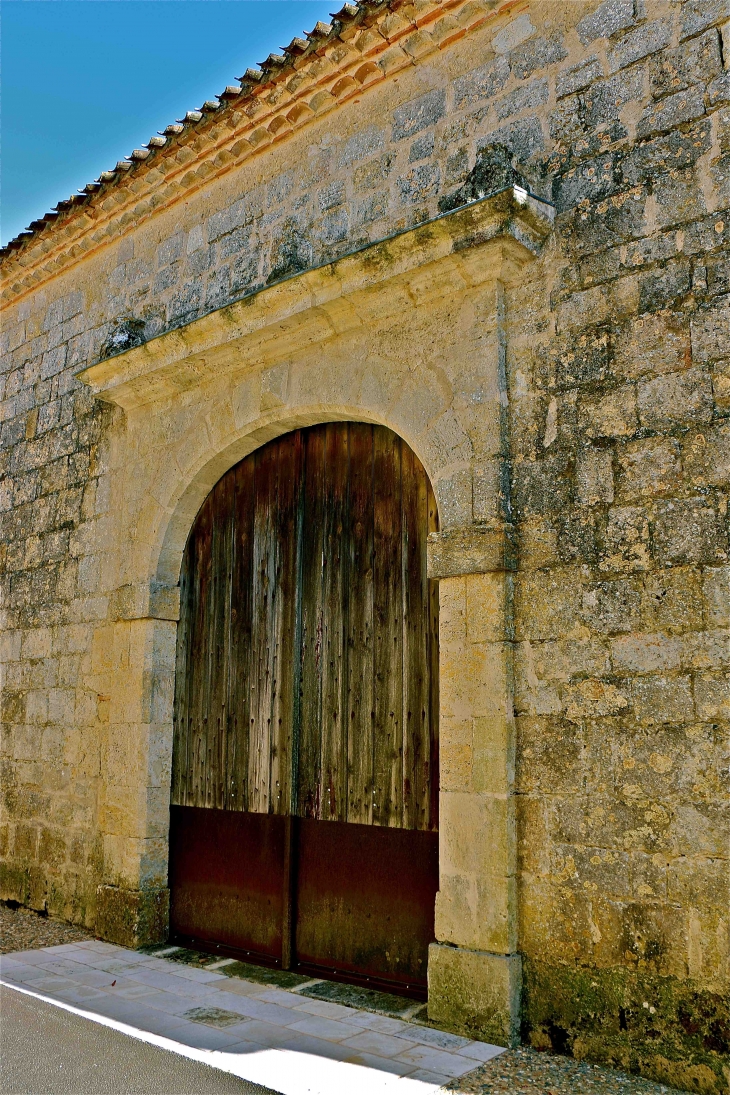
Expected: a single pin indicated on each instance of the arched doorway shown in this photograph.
(305, 761)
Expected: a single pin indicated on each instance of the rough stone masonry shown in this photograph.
(556, 347)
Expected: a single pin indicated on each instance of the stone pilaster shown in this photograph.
(474, 968)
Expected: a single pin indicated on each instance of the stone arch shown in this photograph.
(214, 463)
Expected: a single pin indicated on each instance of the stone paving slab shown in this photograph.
(278, 1036)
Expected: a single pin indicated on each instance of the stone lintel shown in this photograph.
(475, 549)
(475, 993)
(132, 918)
(488, 241)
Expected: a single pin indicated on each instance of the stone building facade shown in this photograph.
(500, 229)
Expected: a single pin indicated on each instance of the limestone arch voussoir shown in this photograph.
(189, 490)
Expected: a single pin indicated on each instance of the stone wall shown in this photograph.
(618, 372)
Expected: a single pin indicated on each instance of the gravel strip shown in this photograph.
(24, 930)
(523, 1070)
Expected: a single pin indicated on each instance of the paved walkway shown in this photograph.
(269, 1035)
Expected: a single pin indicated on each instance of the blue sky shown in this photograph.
(84, 82)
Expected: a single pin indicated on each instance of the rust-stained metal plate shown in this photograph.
(365, 897)
(227, 876)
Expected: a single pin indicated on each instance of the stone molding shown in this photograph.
(384, 43)
(489, 240)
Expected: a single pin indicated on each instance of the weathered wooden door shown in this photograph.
(305, 762)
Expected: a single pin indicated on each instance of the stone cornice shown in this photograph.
(380, 42)
(489, 239)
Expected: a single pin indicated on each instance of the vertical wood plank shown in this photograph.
(433, 664)
(289, 459)
(219, 630)
(359, 577)
(181, 719)
(239, 689)
(262, 626)
(433, 658)
(312, 613)
(388, 629)
(333, 773)
(200, 654)
(416, 714)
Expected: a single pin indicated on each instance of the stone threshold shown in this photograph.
(317, 988)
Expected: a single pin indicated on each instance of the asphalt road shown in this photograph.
(45, 1050)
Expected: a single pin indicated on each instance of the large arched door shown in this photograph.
(305, 761)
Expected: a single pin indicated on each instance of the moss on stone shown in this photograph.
(668, 1030)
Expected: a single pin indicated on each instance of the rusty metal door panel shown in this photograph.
(365, 897)
(227, 879)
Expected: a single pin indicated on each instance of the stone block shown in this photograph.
(550, 761)
(420, 113)
(674, 110)
(696, 61)
(659, 699)
(536, 54)
(419, 184)
(649, 468)
(579, 76)
(522, 138)
(679, 198)
(532, 694)
(594, 477)
(492, 748)
(476, 912)
(712, 696)
(645, 653)
(716, 590)
(475, 993)
(699, 14)
(707, 457)
(644, 40)
(655, 344)
(364, 143)
(548, 603)
(513, 34)
(585, 360)
(687, 531)
(605, 98)
(709, 332)
(543, 485)
(666, 287)
(625, 542)
(613, 607)
(132, 918)
(611, 415)
(488, 607)
(522, 98)
(469, 550)
(475, 680)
